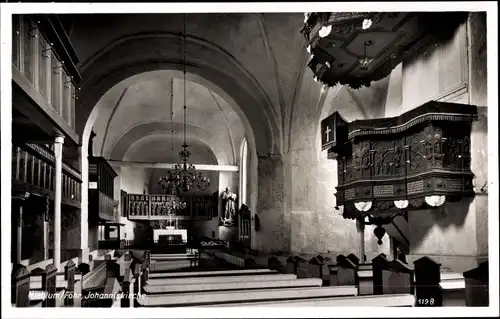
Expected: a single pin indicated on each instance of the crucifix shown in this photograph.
(327, 132)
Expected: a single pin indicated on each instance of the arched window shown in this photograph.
(243, 171)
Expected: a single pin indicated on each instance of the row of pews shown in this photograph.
(110, 280)
(427, 281)
(31, 285)
(134, 279)
(252, 287)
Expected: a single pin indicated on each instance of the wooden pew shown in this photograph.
(477, 286)
(273, 263)
(346, 271)
(353, 258)
(365, 279)
(162, 262)
(20, 286)
(140, 272)
(316, 267)
(94, 282)
(211, 273)
(69, 276)
(364, 275)
(453, 292)
(145, 263)
(226, 279)
(65, 282)
(400, 300)
(109, 279)
(379, 264)
(292, 263)
(392, 277)
(236, 260)
(128, 288)
(206, 298)
(112, 286)
(435, 288)
(398, 278)
(326, 264)
(309, 269)
(95, 278)
(229, 286)
(48, 288)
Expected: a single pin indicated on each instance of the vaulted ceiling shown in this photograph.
(253, 61)
(142, 119)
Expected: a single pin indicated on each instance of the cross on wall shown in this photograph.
(327, 133)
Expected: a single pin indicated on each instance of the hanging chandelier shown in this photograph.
(171, 202)
(184, 175)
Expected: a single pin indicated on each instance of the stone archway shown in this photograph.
(212, 67)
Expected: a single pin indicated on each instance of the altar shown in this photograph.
(170, 233)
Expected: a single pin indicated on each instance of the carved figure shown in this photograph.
(228, 204)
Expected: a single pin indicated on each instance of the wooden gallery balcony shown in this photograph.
(44, 79)
(101, 190)
(33, 171)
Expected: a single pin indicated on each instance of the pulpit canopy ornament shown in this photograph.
(357, 48)
(420, 159)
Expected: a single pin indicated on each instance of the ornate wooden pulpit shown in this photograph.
(419, 159)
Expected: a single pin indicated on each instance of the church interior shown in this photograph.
(249, 159)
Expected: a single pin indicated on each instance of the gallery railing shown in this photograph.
(33, 170)
(42, 55)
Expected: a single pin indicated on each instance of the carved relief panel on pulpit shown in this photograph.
(418, 159)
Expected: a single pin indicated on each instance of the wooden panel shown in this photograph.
(124, 203)
(55, 83)
(28, 48)
(35, 107)
(43, 66)
(16, 40)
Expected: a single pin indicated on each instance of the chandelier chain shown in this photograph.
(184, 53)
(184, 176)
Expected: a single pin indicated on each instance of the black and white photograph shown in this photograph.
(249, 159)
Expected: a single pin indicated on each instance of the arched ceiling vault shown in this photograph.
(157, 148)
(251, 59)
(152, 102)
(120, 148)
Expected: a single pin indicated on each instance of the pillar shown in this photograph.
(59, 141)
(19, 233)
(274, 233)
(84, 211)
(46, 229)
(361, 234)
